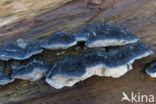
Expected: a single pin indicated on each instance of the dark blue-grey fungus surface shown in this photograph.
(119, 56)
(72, 67)
(32, 48)
(20, 50)
(99, 34)
(32, 69)
(4, 78)
(151, 70)
(115, 63)
(58, 40)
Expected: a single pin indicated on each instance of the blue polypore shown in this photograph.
(99, 34)
(58, 40)
(151, 70)
(115, 63)
(32, 69)
(22, 49)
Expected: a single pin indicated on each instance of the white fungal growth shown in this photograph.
(60, 46)
(104, 43)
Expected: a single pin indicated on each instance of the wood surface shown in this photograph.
(38, 18)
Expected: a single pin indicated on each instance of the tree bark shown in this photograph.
(38, 18)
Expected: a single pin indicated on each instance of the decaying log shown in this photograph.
(38, 18)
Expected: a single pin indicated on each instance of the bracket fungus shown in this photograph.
(20, 50)
(115, 63)
(67, 71)
(4, 78)
(151, 70)
(99, 34)
(58, 40)
(32, 69)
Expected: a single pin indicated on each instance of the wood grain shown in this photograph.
(138, 16)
